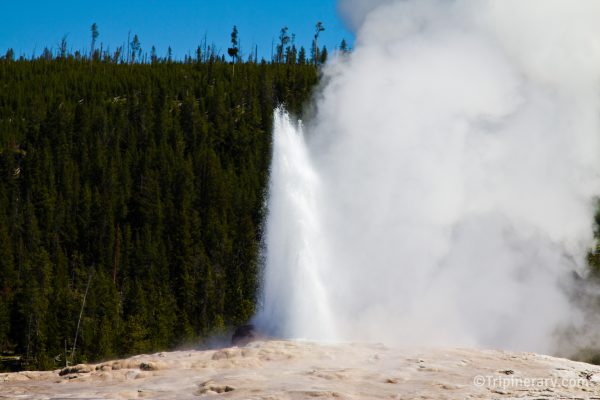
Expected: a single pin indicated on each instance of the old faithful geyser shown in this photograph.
(443, 194)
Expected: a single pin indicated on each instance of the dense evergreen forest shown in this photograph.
(132, 196)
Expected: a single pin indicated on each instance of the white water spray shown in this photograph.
(446, 192)
(295, 291)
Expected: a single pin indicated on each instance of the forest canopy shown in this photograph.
(132, 194)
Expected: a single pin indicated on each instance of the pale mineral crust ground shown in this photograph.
(306, 370)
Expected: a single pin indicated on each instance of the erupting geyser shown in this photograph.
(444, 192)
(297, 303)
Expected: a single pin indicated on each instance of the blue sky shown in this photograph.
(30, 26)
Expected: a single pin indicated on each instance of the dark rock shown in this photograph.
(209, 388)
(76, 369)
(244, 335)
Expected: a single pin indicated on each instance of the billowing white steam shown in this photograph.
(444, 192)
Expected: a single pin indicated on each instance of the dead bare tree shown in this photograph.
(80, 315)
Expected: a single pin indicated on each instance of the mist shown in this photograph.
(444, 191)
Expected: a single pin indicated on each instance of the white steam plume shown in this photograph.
(453, 162)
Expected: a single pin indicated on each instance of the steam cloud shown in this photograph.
(443, 194)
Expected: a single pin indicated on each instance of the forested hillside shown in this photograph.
(131, 200)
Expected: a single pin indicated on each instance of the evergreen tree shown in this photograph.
(318, 29)
(302, 56)
(344, 46)
(10, 55)
(233, 50)
(136, 48)
(62, 48)
(95, 34)
(153, 56)
(323, 55)
(283, 41)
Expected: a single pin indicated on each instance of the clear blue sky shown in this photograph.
(30, 26)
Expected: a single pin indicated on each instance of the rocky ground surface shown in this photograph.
(305, 370)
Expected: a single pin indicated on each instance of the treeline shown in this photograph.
(286, 51)
(131, 200)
